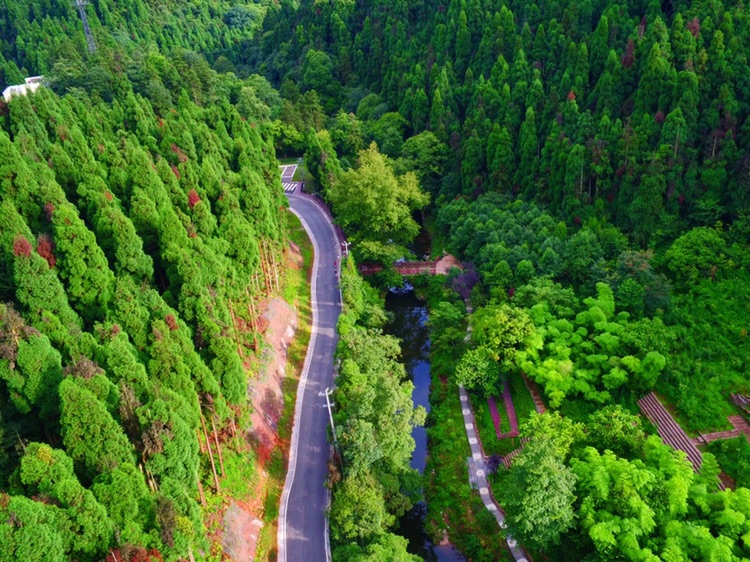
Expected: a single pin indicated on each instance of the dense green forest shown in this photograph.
(634, 111)
(141, 217)
(588, 158)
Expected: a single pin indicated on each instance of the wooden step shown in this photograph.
(669, 430)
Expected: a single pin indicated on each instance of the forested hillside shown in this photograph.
(141, 218)
(588, 158)
(46, 37)
(632, 110)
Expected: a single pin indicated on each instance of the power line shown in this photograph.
(86, 28)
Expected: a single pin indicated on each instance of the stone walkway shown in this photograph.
(739, 425)
(480, 475)
(478, 467)
(673, 435)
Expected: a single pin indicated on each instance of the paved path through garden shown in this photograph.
(480, 469)
(510, 411)
(485, 492)
(495, 415)
(535, 395)
(739, 425)
(674, 436)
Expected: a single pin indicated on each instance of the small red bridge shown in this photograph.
(435, 267)
(404, 268)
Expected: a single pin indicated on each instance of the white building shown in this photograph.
(32, 85)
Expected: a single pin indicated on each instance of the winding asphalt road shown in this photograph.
(303, 525)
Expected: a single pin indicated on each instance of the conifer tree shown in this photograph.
(90, 434)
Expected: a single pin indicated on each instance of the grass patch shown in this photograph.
(522, 398)
(437, 241)
(524, 405)
(239, 482)
(734, 457)
(299, 173)
(211, 516)
(241, 473)
(683, 404)
(486, 428)
(296, 283)
(297, 293)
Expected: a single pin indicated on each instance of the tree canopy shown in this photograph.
(376, 205)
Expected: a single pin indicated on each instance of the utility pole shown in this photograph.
(346, 245)
(80, 4)
(328, 392)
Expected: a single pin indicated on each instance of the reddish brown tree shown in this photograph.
(21, 246)
(45, 248)
(193, 198)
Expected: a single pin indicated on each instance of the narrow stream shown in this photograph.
(410, 326)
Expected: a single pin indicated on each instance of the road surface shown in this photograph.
(303, 526)
(287, 178)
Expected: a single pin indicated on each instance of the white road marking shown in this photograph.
(287, 172)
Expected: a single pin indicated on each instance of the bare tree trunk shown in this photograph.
(218, 448)
(200, 442)
(269, 275)
(253, 320)
(200, 489)
(263, 265)
(233, 427)
(210, 453)
(236, 331)
(150, 479)
(251, 309)
(580, 183)
(276, 271)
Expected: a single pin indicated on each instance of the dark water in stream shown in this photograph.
(410, 326)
